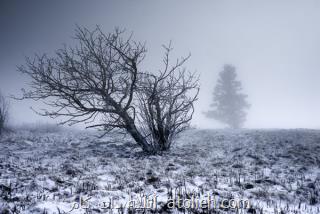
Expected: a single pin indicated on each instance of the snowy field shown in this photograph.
(271, 171)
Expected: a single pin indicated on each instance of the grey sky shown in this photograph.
(275, 46)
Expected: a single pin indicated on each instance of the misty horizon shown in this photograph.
(273, 45)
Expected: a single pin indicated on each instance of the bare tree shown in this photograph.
(4, 112)
(100, 79)
(166, 102)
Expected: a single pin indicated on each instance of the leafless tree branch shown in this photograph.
(100, 79)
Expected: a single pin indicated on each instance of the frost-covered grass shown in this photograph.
(276, 170)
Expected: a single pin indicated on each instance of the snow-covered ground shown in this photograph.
(273, 170)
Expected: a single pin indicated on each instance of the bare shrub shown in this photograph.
(4, 112)
(166, 102)
(101, 80)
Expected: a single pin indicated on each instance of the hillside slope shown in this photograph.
(275, 170)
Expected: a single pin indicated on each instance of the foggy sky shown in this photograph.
(275, 46)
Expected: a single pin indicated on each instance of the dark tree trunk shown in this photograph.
(140, 139)
(137, 136)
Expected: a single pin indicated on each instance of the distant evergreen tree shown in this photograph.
(229, 104)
